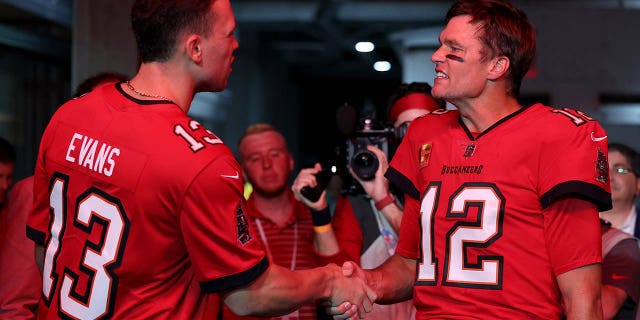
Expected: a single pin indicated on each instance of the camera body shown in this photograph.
(363, 162)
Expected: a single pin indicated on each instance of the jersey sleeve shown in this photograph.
(410, 233)
(222, 247)
(572, 234)
(573, 161)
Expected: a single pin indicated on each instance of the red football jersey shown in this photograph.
(484, 242)
(140, 210)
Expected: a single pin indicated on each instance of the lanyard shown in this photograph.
(387, 233)
(263, 236)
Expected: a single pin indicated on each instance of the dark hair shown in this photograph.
(505, 30)
(7, 152)
(157, 24)
(92, 82)
(631, 155)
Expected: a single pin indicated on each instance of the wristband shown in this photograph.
(321, 218)
(321, 229)
(385, 202)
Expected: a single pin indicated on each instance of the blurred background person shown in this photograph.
(283, 224)
(365, 222)
(7, 168)
(620, 274)
(624, 169)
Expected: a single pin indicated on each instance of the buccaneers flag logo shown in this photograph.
(425, 154)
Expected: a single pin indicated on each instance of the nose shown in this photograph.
(266, 163)
(437, 56)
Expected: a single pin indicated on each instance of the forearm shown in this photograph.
(612, 300)
(393, 281)
(393, 213)
(581, 292)
(325, 242)
(280, 291)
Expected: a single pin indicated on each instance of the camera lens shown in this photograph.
(364, 164)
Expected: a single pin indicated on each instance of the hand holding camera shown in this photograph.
(362, 161)
(377, 187)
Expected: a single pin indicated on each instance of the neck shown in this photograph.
(480, 113)
(278, 209)
(165, 80)
(618, 214)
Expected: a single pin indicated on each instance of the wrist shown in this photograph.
(322, 229)
(381, 204)
(321, 218)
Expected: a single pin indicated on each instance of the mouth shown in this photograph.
(441, 75)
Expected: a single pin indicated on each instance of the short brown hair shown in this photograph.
(506, 30)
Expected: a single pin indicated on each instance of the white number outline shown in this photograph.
(578, 119)
(98, 259)
(487, 273)
(194, 144)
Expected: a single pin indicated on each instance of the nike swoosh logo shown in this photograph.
(235, 176)
(618, 277)
(597, 139)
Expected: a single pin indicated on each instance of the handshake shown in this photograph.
(351, 297)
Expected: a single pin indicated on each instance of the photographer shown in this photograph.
(365, 224)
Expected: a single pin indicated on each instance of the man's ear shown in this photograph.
(194, 48)
(499, 68)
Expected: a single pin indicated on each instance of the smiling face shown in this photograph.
(461, 70)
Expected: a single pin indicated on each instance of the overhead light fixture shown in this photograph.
(382, 66)
(365, 46)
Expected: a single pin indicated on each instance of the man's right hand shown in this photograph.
(351, 295)
(348, 310)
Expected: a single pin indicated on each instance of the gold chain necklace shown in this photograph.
(147, 95)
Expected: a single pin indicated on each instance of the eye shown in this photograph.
(253, 159)
(275, 153)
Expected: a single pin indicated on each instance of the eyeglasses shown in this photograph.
(621, 170)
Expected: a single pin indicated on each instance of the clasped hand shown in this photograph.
(354, 300)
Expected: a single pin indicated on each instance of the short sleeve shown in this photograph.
(222, 246)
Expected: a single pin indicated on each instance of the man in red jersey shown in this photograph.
(501, 200)
(138, 209)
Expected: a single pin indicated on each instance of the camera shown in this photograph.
(363, 162)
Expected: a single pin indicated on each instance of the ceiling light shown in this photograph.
(365, 46)
(382, 66)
